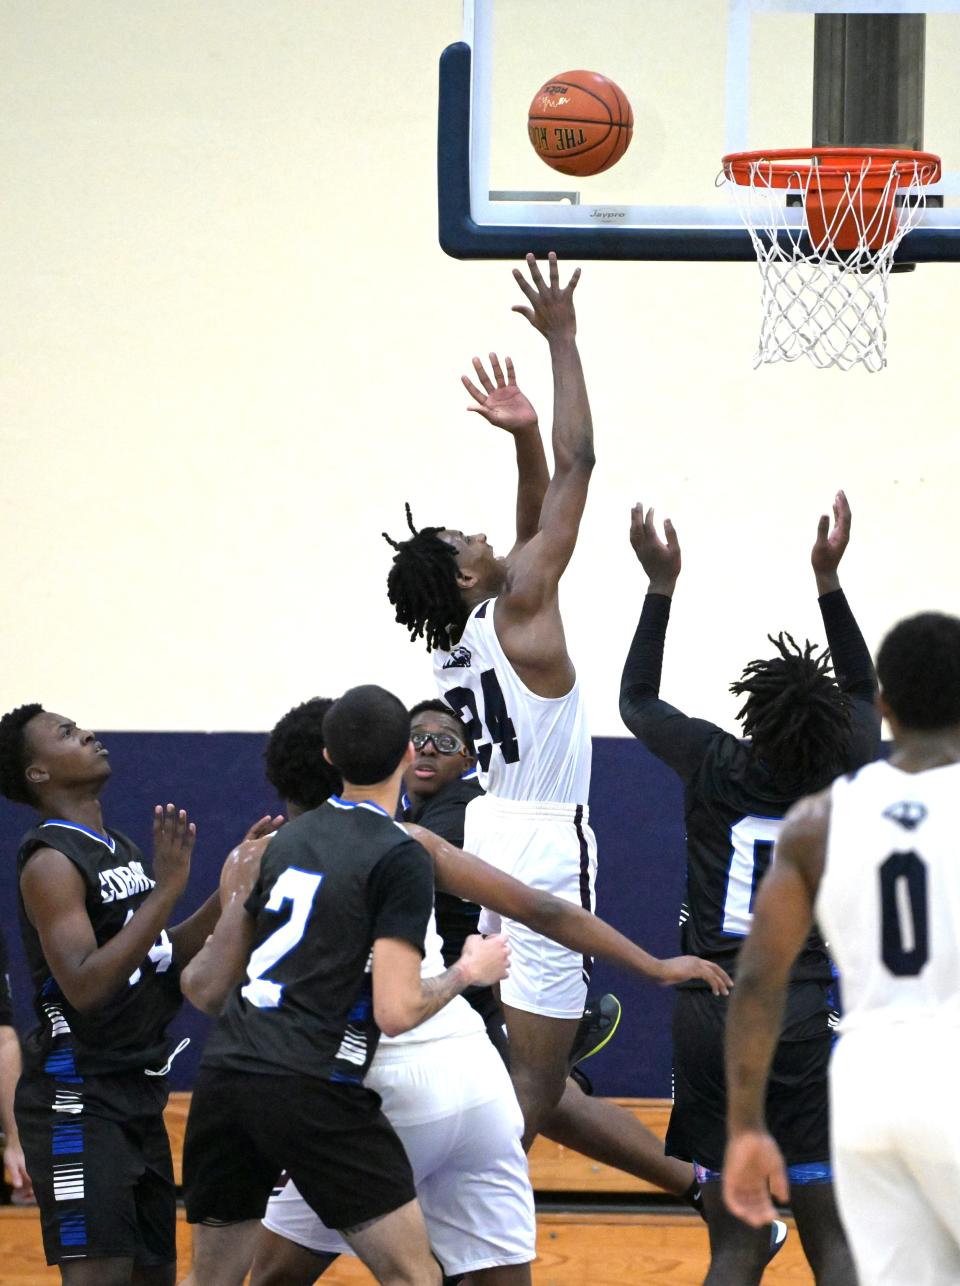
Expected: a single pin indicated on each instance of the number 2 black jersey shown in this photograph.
(732, 804)
(330, 884)
(128, 1032)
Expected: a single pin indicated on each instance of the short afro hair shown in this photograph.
(367, 732)
(437, 706)
(13, 753)
(422, 586)
(294, 756)
(918, 666)
(797, 718)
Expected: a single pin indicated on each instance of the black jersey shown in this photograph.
(330, 884)
(128, 1031)
(443, 813)
(733, 806)
(6, 994)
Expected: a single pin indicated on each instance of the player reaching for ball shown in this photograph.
(502, 665)
(802, 726)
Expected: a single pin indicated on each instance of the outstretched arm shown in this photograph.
(501, 402)
(753, 1168)
(667, 732)
(538, 566)
(468, 877)
(851, 656)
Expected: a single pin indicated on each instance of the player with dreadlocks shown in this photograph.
(501, 662)
(803, 727)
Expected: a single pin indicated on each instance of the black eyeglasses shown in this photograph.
(444, 743)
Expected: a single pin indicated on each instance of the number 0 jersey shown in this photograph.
(128, 1031)
(330, 884)
(529, 747)
(889, 899)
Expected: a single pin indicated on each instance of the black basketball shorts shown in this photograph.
(797, 1108)
(97, 1151)
(331, 1139)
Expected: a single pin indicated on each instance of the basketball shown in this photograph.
(580, 123)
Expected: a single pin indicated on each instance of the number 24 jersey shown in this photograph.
(529, 747)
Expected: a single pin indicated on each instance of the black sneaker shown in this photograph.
(778, 1237)
(600, 1020)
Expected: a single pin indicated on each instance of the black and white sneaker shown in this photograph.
(600, 1020)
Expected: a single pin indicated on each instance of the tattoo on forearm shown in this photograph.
(440, 990)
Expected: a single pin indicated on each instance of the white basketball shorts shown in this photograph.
(546, 846)
(895, 1122)
(454, 1108)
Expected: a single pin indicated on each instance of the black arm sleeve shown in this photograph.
(666, 732)
(855, 675)
(400, 894)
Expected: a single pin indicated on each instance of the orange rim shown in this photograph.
(833, 166)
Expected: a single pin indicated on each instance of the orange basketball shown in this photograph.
(580, 122)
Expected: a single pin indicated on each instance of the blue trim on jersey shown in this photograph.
(108, 840)
(73, 1230)
(810, 1172)
(339, 1078)
(360, 803)
(805, 1172)
(61, 1065)
(67, 1138)
(470, 774)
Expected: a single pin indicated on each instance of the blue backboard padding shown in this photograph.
(463, 238)
(218, 778)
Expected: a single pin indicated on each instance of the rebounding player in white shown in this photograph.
(874, 858)
(501, 663)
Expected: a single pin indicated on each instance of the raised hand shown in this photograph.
(501, 402)
(659, 559)
(830, 544)
(265, 826)
(174, 836)
(551, 309)
(686, 968)
(485, 961)
(753, 1169)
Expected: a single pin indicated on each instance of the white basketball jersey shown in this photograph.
(458, 1018)
(528, 747)
(889, 901)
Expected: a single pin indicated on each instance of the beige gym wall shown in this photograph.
(231, 349)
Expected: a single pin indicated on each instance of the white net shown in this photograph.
(825, 276)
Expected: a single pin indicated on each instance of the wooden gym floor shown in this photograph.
(621, 1241)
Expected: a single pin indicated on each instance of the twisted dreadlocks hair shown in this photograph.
(795, 714)
(422, 586)
(13, 753)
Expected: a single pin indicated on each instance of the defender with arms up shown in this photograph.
(802, 728)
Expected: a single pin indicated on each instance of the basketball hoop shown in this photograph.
(825, 275)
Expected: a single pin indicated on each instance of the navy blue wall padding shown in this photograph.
(463, 238)
(218, 778)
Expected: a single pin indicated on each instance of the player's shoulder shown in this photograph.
(86, 848)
